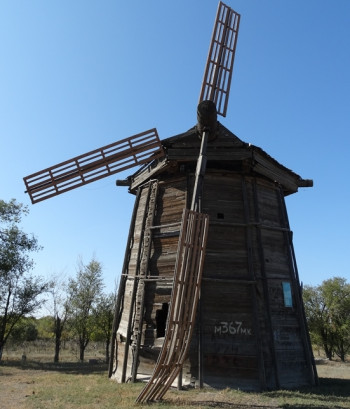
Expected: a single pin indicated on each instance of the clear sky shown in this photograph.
(78, 75)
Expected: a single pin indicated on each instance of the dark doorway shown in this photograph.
(161, 317)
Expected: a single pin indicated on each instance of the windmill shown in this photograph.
(209, 290)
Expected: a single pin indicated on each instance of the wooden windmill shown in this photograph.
(209, 291)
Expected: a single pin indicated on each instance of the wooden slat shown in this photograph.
(183, 306)
(94, 165)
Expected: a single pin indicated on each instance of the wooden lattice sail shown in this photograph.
(94, 165)
(219, 67)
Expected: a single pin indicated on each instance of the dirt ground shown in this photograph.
(17, 386)
(18, 382)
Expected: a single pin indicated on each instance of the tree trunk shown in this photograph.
(327, 345)
(81, 351)
(107, 350)
(57, 349)
(328, 351)
(342, 351)
(82, 345)
(58, 334)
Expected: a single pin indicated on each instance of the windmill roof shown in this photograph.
(224, 147)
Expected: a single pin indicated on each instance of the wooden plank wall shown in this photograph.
(171, 199)
(250, 339)
(124, 354)
(243, 231)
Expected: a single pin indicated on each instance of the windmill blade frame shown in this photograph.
(219, 67)
(94, 165)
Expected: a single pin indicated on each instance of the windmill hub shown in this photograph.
(207, 117)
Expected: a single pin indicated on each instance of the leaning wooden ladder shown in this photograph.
(183, 306)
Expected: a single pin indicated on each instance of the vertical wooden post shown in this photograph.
(265, 286)
(147, 244)
(179, 381)
(121, 289)
(134, 291)
(249, 245)
(200, 345)
(142, 285)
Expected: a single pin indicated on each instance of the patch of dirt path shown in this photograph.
(16, 385)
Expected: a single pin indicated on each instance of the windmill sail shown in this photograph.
(94, 165)
(218, 71)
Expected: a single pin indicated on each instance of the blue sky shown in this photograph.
(78, 75)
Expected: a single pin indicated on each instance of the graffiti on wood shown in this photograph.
(232, 328)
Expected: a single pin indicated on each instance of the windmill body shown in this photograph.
(250, 327)
(209, 291)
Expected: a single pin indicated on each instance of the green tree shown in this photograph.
(19, 289)
(24, 330)
(44, 326)
(317, 315)
(104, 321)
(84, 294)
(327, 309)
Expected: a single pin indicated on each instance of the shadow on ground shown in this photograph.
(330, 391)
(80, 368)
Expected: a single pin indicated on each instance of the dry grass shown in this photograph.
(43, 351)
(40, 384)
(333, 369)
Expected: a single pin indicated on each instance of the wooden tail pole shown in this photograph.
(196, 204)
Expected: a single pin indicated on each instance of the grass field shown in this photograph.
(38, 383)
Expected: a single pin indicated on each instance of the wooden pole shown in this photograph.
(265, 287)
(249, 245)
(196, 205)
(133, 295)
(121, 289)
(143, 272)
